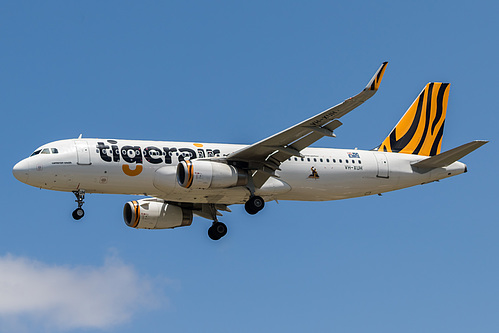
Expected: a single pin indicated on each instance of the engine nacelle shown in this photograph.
(155, 214)
(199, 174)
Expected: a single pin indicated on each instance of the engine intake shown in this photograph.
(199, 174)
(155, 214)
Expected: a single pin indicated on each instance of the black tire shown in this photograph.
(221, 229)
(249, 208)
(258, 203)
(78, 213)
(212, 234)
(254, 205)
(217, 230)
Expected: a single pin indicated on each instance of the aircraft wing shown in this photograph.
(266, 156)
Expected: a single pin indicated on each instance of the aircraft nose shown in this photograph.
(21, 171)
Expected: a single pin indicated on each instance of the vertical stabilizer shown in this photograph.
(421, 128)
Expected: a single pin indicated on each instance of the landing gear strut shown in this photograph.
(254, 205)
(217, 229)
(78, 212)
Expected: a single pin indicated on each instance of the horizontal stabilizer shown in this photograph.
(450, 156)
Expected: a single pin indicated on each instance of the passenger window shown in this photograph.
(45, 151)
(296, 159)
(334, 160)
(346, 161)
(353, 161)
(36, 152)
(321, 160)
(327, 160)
(340, 161)
(315, 160)
(302, 159)
(360, 162)
(308, 159)
(55, 151)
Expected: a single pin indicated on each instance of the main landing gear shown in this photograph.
(217, 229)
(78, 212)
(254, 205)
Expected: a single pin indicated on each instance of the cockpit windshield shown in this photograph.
(36, 152)
(45, 151)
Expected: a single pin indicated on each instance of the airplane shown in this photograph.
(183, 179)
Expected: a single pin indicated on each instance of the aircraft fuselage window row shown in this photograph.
(353, 161)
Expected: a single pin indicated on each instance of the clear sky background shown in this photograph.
(422, 259)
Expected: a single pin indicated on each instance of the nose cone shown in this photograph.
(21, 171)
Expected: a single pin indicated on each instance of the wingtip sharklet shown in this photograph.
(376, 79)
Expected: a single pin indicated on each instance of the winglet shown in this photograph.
(376, 79)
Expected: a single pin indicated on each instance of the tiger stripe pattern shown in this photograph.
(421, 128)
(377, 80)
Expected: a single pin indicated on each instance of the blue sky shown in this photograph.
(420, 259)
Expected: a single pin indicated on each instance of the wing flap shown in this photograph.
(315, 135)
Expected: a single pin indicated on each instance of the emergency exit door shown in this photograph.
(82, 153)
(383, 169)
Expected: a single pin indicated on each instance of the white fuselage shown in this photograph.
(149, 168)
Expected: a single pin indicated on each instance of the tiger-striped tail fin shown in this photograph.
(421, 128)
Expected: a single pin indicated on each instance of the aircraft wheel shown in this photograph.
(217, 230)
(78, 213)
(254, 205)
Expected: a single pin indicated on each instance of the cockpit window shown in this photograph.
(45, 151)
(36, 152)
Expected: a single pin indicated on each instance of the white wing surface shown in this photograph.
(266, 156)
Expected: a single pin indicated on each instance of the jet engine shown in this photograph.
(155, 214)
(199, 174)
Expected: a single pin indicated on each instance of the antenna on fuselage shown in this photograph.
(80, 136)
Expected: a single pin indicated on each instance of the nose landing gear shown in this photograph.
(78, 212)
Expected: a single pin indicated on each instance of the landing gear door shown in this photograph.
(82, 153)
(383, 170)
